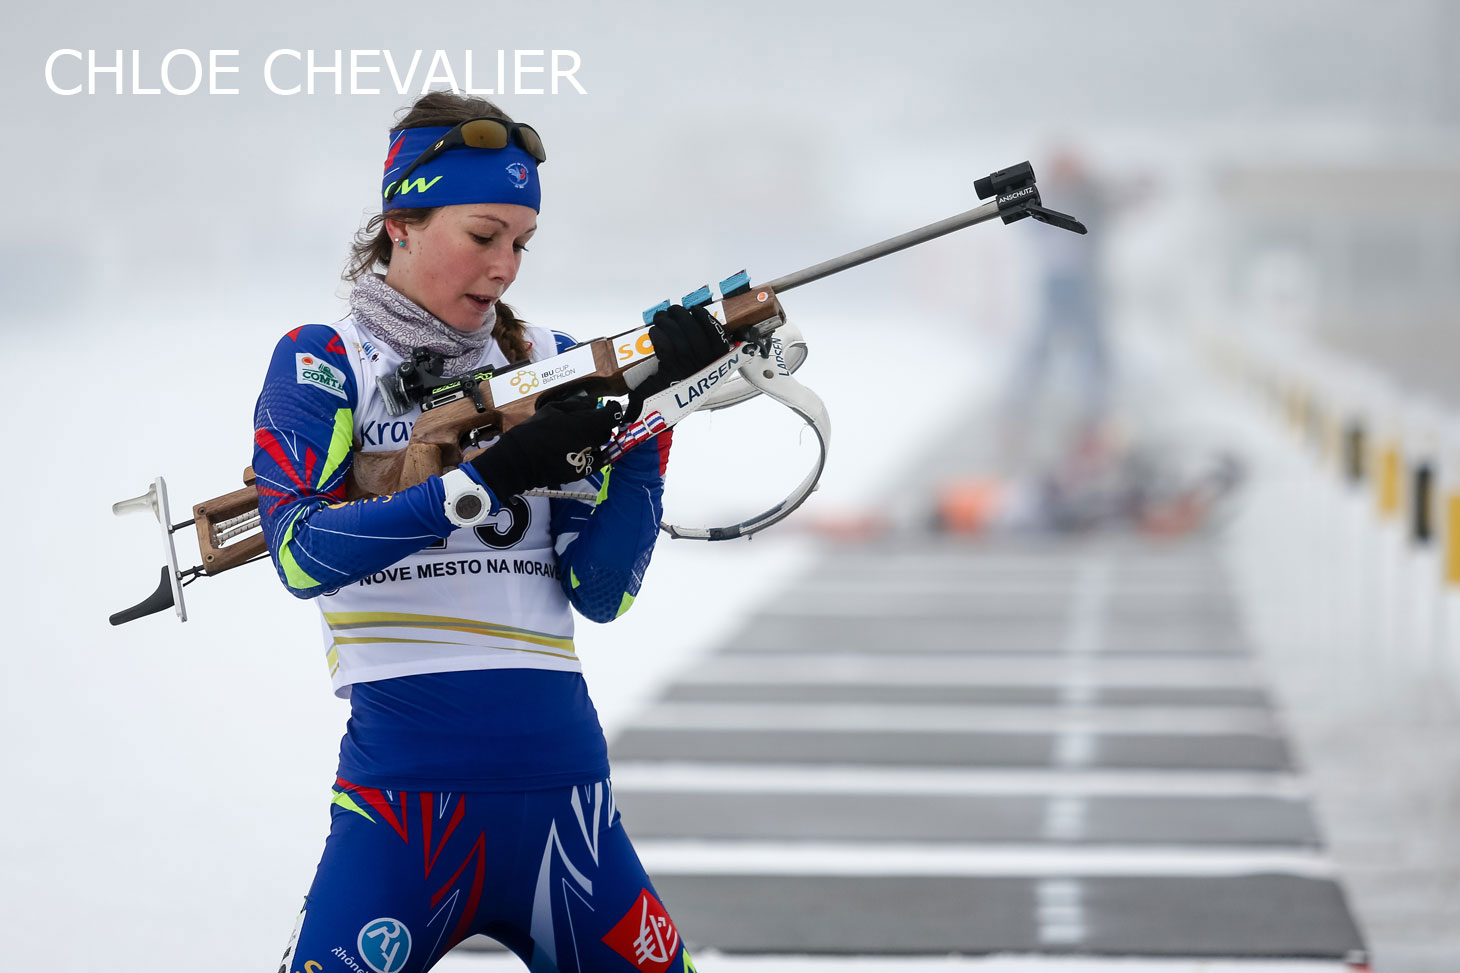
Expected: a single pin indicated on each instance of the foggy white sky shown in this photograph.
(173, 239)
(712, 137)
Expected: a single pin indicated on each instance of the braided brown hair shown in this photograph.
(372, 246)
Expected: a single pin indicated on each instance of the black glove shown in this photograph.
(559, 444)
(685, 341)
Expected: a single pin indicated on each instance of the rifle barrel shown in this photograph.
(911, 238)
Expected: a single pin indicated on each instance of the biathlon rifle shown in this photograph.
(461, 412)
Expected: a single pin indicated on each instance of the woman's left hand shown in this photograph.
(685, 341)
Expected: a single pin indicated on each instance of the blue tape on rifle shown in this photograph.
(696, 298)
(736, 284)
(649, 314)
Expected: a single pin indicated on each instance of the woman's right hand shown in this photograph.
(559, 444)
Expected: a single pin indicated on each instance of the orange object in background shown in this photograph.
(1181, 516)
(848, 526)
(968, 506)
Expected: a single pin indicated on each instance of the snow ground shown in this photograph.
(169, 781)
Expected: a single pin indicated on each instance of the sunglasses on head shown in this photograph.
(477, 133)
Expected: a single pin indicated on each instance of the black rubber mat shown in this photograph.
(1249, 916)
(1041, 631)
(1192, 752)
(749, 815)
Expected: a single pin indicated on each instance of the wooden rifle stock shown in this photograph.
(442, 438)
(464, 409)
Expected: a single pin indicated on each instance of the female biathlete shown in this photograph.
(473, 792)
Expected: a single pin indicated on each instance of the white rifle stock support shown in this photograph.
(169, 588)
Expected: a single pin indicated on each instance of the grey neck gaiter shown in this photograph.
(403, 324)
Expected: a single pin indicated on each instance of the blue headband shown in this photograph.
(459, 175)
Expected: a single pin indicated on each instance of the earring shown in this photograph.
(400, 243)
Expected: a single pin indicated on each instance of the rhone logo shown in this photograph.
(384, 945)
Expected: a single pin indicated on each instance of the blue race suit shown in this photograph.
(472, 794)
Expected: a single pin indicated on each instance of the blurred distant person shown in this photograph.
(1070, 314)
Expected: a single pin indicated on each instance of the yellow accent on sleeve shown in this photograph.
(296, 576)
(626, 604)
(340, 442)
